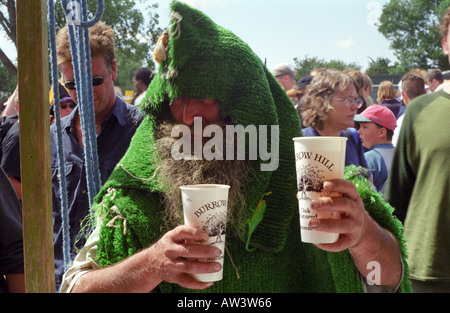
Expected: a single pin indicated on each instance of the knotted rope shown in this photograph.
(81, 60)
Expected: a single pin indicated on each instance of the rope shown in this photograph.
(139, 178)
(81, 60)
(59, 147)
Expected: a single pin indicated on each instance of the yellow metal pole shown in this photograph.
(33, 79)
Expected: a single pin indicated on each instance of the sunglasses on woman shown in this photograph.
(96, 81)
(70, 105)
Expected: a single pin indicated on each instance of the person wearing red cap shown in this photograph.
(377, 125)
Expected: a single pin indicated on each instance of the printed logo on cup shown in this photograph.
(215, 222)
(311, 177)
(317, 159)
(205, 206)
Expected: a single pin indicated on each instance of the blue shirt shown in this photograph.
(379, 160)
(112, 142)
(354, 153)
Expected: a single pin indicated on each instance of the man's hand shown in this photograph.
(366, 240)
(175, 257)
(349, 207)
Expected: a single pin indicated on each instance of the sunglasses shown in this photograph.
(71, 105)
(96, 81)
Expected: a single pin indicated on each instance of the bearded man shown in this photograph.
(140, 243)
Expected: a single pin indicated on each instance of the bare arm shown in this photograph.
(17, 186)
(10, 108)
(16, 283)
(170, 259)
(126, 276)
(365, 239)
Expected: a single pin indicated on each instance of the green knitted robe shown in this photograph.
(265, 254)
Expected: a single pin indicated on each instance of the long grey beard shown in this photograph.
(176, 173)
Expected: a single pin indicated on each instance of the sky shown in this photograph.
(280, 30)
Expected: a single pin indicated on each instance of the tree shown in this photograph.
(215, 225)
(135, 35)
(7, 85)
(8, 23)
(382, 66)
(310, 180)
(411, 26)
(307, 64)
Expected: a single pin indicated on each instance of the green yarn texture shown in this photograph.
(205, 60)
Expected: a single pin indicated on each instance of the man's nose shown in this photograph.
(192, 109)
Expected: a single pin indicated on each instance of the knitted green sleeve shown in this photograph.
(126, 226)
(382, 213)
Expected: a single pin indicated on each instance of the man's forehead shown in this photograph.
(98, 67)
(66, 69)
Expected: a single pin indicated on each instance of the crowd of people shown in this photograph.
(372, 127)
(116, 122)
(139, 243)
(399, 159)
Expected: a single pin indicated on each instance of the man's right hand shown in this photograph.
(174, 257)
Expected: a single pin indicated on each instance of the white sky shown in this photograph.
(282, 30)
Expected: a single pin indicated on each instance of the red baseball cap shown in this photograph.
(378, 114)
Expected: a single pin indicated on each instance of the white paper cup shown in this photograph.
(205, 206)
(317, 159)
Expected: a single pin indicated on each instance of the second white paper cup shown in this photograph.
(317, 159)
(205, 206)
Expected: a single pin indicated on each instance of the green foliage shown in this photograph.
(307, 64)
(135, 24)
(412, 28)
(382, 66)
(8, 83)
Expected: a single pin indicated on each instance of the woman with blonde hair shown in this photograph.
(387, 97)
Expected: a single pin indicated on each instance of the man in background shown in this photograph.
(413, 86)
(115, 124)
(435, 78)
(142, 79)
(285, 76)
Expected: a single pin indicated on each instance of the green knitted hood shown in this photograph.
(204, 60)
